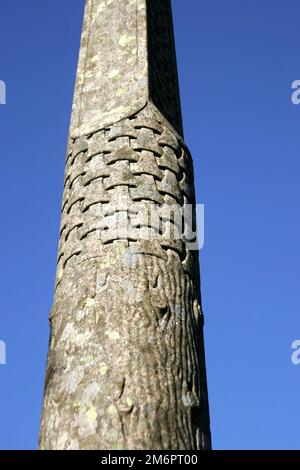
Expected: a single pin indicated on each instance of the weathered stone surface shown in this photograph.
(127, 57)
(126, 366)
(112, 71)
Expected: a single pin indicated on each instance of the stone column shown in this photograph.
(126, 367)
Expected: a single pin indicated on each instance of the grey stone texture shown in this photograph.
(126, 366)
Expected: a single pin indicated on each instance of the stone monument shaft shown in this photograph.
(126, 366)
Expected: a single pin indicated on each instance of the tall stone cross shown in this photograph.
(126, 367)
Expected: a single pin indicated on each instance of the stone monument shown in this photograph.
(126, 366)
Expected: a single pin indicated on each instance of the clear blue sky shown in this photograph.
(237, 60)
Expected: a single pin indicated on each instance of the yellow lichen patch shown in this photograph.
(118, 446)
(112, 410)
(90, 302)
(142, 6)
(114, 73)
(120, 92)
(76, 405)
(91, 414)
(95, 59)
(103, 369)
(129, 402)
(59, 274)
(125, 40)
(96, 317)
